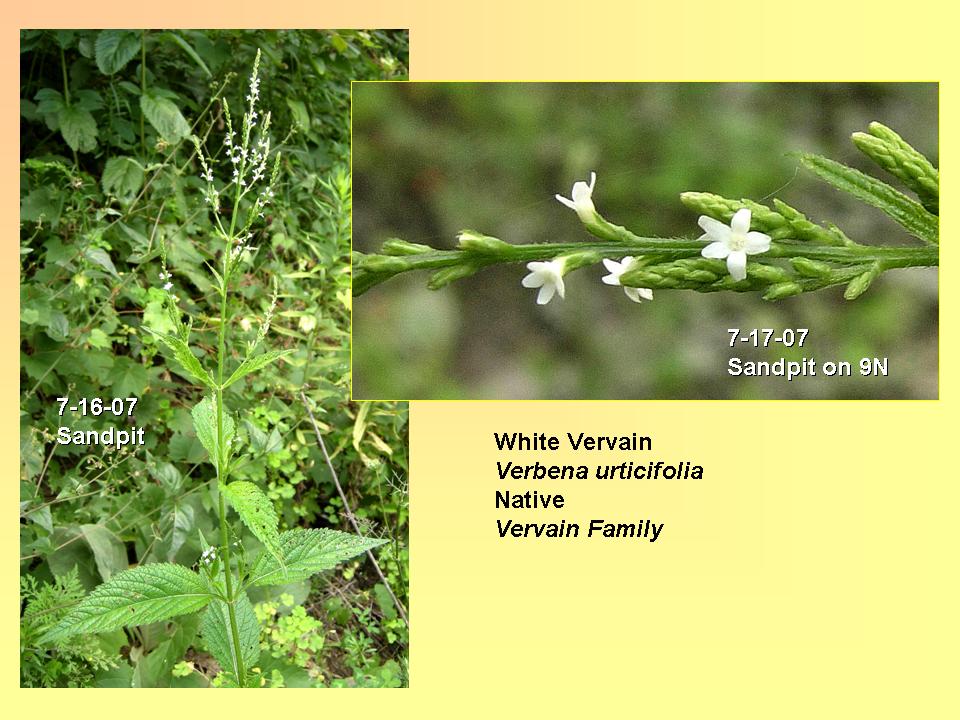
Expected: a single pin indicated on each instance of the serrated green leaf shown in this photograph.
(123, 177)
(257, 512)
(307, 552)
(43, 204)
(189, 361)
(255, 363)
(205, 423)
(146, 594)
(115, 48)
(215, 629)
(127, 378)
(164, 115)
(88, 99)
(908, 213)
(78, 128)
(49, 101)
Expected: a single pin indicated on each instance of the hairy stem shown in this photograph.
(375, 269)
(224, 454)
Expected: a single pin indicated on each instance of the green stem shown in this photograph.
(381, 268)
(143, 90)
(66, 96)
(224, 452)
(66, 82)
(222, 477)
(228, 575)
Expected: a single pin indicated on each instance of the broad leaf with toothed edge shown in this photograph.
(307, 552)
(204, 416)
(252, 364)
(189, 361)
(256, 511)
(145, 594)
(216, 631)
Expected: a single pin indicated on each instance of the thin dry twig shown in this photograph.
(349, 511)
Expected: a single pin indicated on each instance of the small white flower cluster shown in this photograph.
(548, 276)
(732, 243)
(258, 158)
(254, 94)
(167, 279)
(208, 556)
(267, 319)
(210, 192)
(242, 243)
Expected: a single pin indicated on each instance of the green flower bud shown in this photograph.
(472, 241)
(783, 290)
(767, 273)
(858, 286)
(395, 246)
(811, 268)
(445, 276)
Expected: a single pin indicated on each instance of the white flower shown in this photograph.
(733, 243)
(617, 269)
(581, 199)
(208, 556)
(548, 276)
(167, 286)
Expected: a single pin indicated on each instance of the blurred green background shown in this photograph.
(430, 159)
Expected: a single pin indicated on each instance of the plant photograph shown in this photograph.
(645, 240)
(201, 503)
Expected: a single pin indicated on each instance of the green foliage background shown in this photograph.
(433, 158)
(108, 173)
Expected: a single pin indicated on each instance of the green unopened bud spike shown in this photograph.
(444, 277)
(858, 286)
(474, 242)
(783, 290)
(395, 246)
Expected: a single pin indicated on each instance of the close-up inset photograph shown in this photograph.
(645, 240)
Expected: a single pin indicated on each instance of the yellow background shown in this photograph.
(813, 570)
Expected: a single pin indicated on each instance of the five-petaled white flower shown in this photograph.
(616, 269)
(581, 199)
(548, 276)
(733, 243)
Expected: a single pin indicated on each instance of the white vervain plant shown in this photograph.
(746, 246)
(159, 591)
